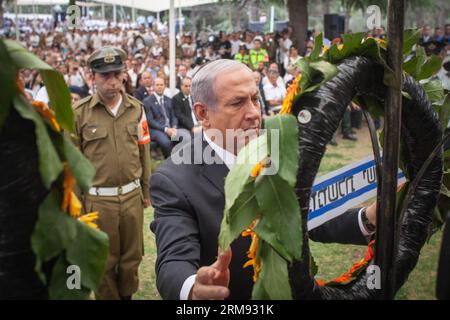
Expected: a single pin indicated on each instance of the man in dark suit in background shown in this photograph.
(183, 107)
(145, 86)
(189, 198)
(161, 117)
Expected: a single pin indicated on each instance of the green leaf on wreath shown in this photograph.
(430, 67)
(58, 92)
(89, 251)
(54, 229)
(410, 38)
(317, 49)
(239, 216)
(434, 90)
(273, 280)
(314, 74)
(58, 288)
(282, 133)
(444, 113)
(280, 223)
(50, 165)
(82, 169)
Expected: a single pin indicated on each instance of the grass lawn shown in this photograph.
(332, 259)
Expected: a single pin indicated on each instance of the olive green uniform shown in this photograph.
(111, 144)
(118, 147)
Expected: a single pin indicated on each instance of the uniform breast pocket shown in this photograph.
(94, 141)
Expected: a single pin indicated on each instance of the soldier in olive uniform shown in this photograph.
(113, 134)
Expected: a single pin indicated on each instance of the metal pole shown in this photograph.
(180, 17)
(115, 14)
(103, 11)
(387, 217)
(172, 45)
(272, 18)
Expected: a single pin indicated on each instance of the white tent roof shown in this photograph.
(41, 2)
(149, 5)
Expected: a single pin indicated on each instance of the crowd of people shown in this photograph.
(271, 56)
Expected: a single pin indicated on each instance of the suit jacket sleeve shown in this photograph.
(152, 123)
(177, 236)
(342, 229)
(173, 117)
(183, 120)
(138, 94)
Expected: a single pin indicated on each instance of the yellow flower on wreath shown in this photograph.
(293, 90)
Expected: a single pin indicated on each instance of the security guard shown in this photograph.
(257, 54)
(242, 56)
(113, 134)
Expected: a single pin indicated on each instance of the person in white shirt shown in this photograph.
(96, 40)
(84, 40)
(134, 72)
(284, 44)
(34, 39)
(42, 95)
(75, 76)
(274, 93)
(280, 81)
(292, 59)
(235, 43)
(49, 40)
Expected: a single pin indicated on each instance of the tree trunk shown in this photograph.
(298, 19)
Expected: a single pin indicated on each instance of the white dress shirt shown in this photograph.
(272, 92)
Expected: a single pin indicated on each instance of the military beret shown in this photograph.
(107, 59)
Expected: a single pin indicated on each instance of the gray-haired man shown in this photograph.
(189, 197)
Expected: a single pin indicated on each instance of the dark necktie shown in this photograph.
(161, 103)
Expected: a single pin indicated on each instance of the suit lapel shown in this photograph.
(215, 173)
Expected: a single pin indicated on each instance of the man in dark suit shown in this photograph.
(182, 105)
(188, 195)
(182, 72)
(145, 86)
(161, 117)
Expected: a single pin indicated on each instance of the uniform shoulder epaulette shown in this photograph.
(134, 100)
(81, 102)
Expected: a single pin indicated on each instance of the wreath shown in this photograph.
(43, 231)
(272, 206)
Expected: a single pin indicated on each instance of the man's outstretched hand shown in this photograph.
(212, 282)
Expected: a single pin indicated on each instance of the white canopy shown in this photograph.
(148, 5)
(41, 2)
(156, 5)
